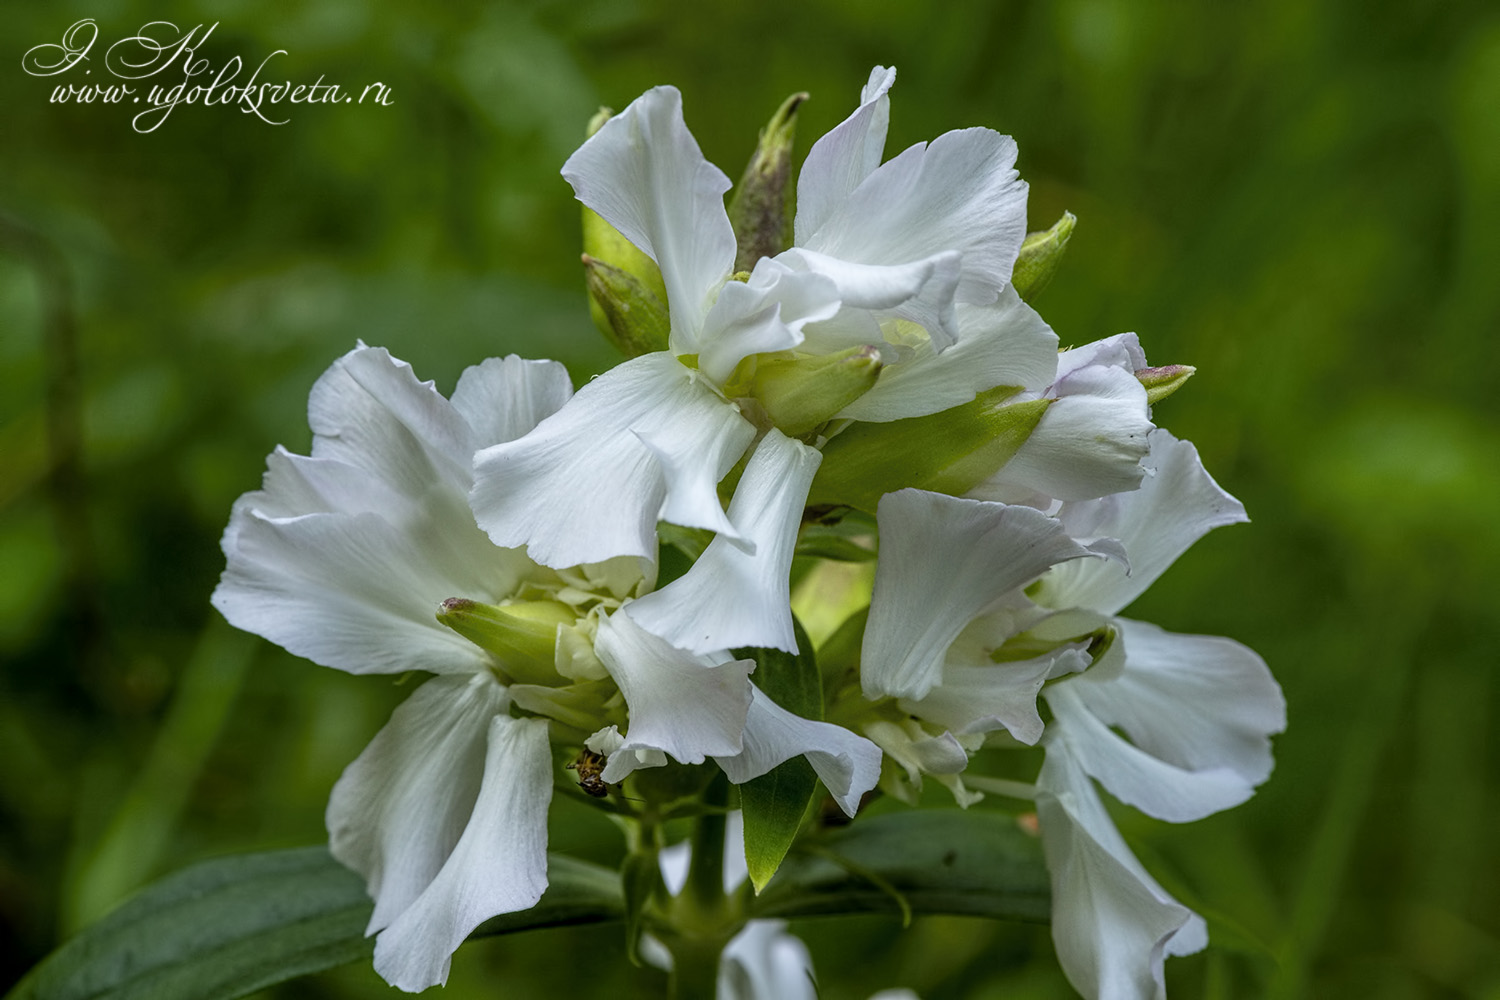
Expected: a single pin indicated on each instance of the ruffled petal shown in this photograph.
(499, 865)
(1197, 702)
(840, 160)
(961, 192)
(920, 291)
(733, 597)
(849, 765)
(975, 698)
(942, 561)
(647, 440)
(766, 313)
(644, 173)
(1112, 924)
(684, 705)
(504, 398)
(399, 809)
(1088, 444)
(1132, 775)
(1175, 506)
(1006, 343)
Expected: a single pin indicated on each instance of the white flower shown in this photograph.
(923, 244)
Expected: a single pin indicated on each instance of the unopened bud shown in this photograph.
(626, 311)
(948, 452)
(522, 636)
(801, 394)
(1041, 253)
(1162, 382)
(759, 210)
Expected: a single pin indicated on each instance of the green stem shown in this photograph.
(702, 917)
(705, 880)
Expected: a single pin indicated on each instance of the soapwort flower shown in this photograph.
(902, 262)
(364, 556)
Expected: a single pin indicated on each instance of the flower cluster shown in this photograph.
(868, 379)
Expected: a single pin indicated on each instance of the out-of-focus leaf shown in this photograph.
(975, 863)
(234, 925)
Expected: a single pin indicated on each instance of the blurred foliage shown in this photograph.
(1303, 200)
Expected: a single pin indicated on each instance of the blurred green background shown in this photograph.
(1302, 199)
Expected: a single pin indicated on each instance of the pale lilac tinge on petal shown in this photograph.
(847, 764)
(1006, 343)
(1123, 351)
(644, 173)
(504, 398)
(1135, 777)
(647, 440)
(1197, 702)
(369, 410)
(920, 291)
(684, 705)
(1112, 923)
(843, 157)
(1088, 444)
(762, 315)
(356, 593)
(1177, 504)
(942, 561)
(499, 865)
(731, 597)
(960, 193)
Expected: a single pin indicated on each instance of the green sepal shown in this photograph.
(628, 313)
(521, 635)
(948, 452)
(971, 862)
(232, 926)
(640, 883)
(801, 394)
(774, 804)
(1041, 254)
(1162, 382)
(760, 211)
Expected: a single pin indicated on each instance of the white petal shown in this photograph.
(647, 440)
(942, 561)
(1195, 701)
(1112, 924)
(961, 192)
(1088, 444)
(840, 160)
(644, 173)
(684, 705)
(1152, 785)
(980, 698)
(1174, 507)
(398, 810)
(1006, 343)
(918, 290)
(766, 313)
(848, 765)
(764, 962)
(732, 597)
(498, 866)
(504, 398)
(1122, 351)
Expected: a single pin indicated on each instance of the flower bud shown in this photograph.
(522, 635)
(760, 212)
(625, 310)
(1162, 382)
(948, 452)
(1041, 253)
(801, 394)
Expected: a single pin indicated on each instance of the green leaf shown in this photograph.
(976, 863)
(234, 925)
(774, 804)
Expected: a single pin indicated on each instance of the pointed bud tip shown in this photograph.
(1041, 254)
(1163, 381)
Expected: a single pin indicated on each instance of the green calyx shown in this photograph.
(1041, 254)
(522, 636)
(1162, 382)
(948, 452)
(802, 394)
(760, 210)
